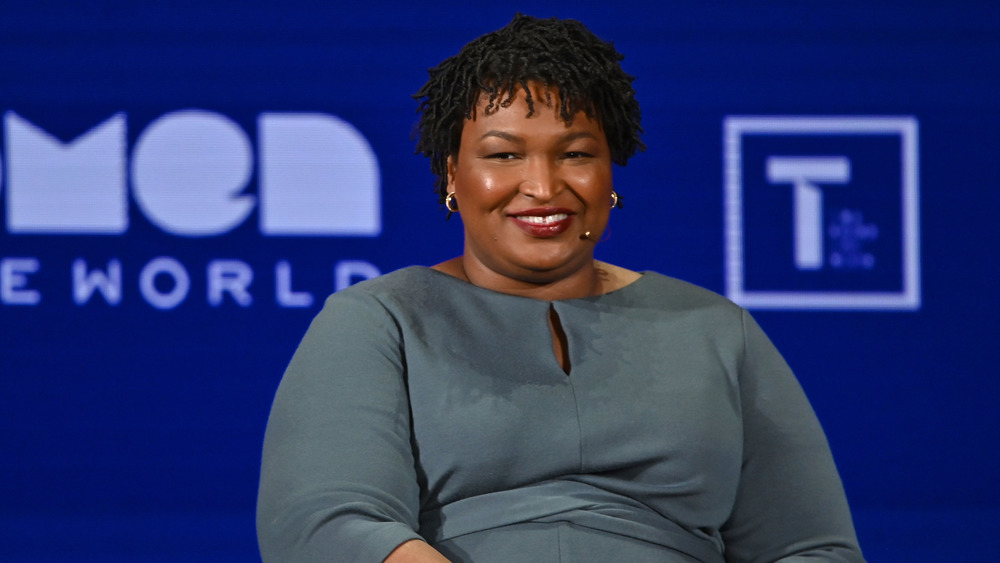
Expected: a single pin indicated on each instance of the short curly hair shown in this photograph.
(563, 55)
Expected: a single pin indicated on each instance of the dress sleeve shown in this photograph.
(337, 476)
(790, 505)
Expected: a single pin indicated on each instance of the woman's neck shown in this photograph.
(593, 278)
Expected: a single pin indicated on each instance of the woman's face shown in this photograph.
(529, 188)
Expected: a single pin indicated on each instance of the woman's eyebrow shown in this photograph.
(518, 139)
(503, 135)
(578, 135)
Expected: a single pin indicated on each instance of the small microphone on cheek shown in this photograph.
(586, 236)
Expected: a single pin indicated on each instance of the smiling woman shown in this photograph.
(528, 189)
(524, 401)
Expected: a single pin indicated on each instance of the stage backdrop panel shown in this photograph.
(182, 184)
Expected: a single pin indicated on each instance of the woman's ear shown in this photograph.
(450, 166)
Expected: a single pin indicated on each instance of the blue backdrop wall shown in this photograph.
(831, 166)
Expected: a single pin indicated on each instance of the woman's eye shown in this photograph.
(502, 156)
(577, 154)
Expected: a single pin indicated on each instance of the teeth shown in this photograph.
(543, 220)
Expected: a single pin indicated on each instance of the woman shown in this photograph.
(523, 401)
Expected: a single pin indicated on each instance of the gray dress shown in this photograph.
(420, 406)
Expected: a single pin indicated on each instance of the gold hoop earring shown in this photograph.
(614, 199)
(450, 203)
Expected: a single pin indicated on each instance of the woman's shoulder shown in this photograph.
(388, 298)
(405, 281)
(655, 290)
(613, 278)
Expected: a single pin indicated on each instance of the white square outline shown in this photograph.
(906, 127)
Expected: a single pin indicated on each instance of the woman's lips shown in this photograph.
(543, 223)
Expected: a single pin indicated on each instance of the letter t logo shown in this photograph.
(804, 173)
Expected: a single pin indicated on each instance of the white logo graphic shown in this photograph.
(804, 174)
(188, 174)
(816, 182)
(318, 176)
(227, 279)
(73, 188)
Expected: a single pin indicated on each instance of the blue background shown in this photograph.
(133, 434)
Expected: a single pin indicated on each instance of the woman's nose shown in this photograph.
(541, 179)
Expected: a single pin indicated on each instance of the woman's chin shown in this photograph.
(553, 270)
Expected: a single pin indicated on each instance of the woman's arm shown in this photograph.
(790, 500)
(416, 551)
(337, 475)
